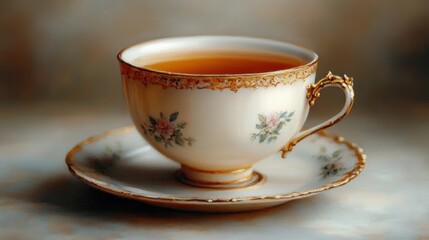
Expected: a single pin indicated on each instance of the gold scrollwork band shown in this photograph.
(232, 82)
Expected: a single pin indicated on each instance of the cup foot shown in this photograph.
(240, 178)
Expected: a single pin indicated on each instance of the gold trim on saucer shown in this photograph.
(175, 201)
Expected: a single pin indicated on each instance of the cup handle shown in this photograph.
(313, 92)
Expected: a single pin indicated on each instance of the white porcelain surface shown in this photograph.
(221, 122)
(122, 163)
(161, 49)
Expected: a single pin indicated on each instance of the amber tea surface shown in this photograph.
(226, 64)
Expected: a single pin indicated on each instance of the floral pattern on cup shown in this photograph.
(331, 163)
(166, 130)
(269, 126)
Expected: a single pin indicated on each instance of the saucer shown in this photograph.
(121, 162)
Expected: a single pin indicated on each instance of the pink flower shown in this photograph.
(164, 127)
(272, 121)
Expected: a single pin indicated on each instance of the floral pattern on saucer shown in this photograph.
(103, 163)
(331, 163)
(269, 126)
(165, 130)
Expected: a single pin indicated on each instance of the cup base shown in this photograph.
(240, 178)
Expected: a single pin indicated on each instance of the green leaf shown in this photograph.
(283, 114)
(291, 114)
(277, 129)
(261, 126)
(336, 153)
(261, 118)
(173, 116)
(181, 125)
(272, 139)
(177, 133)
(157, 138)
(254, 136)
(152, 121)
(323, 158)
(144, 129)
(179, 141)
(262, 137)
(189, 139)
(169, 143)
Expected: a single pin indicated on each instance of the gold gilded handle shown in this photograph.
(313, 93)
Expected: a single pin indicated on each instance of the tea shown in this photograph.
(226, 63)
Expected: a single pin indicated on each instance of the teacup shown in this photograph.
(217, 126)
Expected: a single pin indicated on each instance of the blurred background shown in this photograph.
(64, 52)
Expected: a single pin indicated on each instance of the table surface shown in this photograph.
(39, 199)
